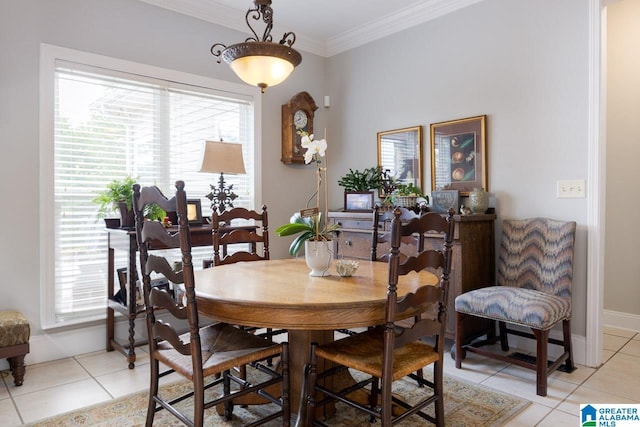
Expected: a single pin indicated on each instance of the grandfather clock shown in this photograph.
(297, 114)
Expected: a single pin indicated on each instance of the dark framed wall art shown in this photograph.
(459, 155)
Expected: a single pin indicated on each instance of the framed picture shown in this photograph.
(358, 201)
(458, 155)
(400, 157)
(194, 211)
(443, 200)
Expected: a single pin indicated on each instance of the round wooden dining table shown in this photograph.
(281, 294)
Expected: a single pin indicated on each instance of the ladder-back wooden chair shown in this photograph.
(535, 272)
(205, 355)
(252, 237)
(394, 350)
(255, 237)
(408, 245)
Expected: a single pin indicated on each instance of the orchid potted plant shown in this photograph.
(310, 224)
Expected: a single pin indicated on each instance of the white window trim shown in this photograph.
(48, 56)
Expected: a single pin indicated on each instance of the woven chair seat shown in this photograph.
(527, 307)
(14, 328)
(223, 348)
(364, 352)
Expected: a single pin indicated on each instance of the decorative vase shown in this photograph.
(478, 200)
(318, 256)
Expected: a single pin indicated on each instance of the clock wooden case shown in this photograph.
(296, 114)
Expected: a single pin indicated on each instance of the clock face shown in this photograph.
(300, 119)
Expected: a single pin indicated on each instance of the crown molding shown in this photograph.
(394, 23)
(209, 10)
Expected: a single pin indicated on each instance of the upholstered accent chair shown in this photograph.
(394, 350)
(533, 292)
(205, 355)
(14, 342)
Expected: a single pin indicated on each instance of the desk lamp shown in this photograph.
(222, 157)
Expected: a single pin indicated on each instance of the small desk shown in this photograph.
(281, 294)
(125, 240)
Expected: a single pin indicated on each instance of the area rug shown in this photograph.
(466, 405)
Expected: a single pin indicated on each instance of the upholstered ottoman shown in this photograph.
(14, 342)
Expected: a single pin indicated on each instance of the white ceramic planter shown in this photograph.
(318, 256)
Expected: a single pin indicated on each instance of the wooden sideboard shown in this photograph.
(473, 264)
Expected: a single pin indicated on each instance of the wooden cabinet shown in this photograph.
(473, 264)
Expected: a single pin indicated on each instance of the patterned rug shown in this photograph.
(466, 405)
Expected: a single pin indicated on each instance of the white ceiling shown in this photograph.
(323, 27)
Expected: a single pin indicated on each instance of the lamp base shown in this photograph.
(221, 197)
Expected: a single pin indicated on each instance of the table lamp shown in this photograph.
(222, 157)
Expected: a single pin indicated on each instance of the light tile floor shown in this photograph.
(55, 387)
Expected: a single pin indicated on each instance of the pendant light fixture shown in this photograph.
(260, 62)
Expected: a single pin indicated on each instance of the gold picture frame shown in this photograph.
(459, 155)
(400, 156)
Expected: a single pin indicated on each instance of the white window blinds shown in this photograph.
(108, 125)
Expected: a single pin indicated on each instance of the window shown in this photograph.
(110, 119)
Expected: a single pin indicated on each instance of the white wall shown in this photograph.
(524, 64)
(622, 246)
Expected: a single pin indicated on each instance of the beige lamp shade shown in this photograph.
(222, 157)
(262, 71)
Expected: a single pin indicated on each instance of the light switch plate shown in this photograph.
(570, 189)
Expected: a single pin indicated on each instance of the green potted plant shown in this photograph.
(406, 195)
(154, 212)
(117, 197)
(361, 181)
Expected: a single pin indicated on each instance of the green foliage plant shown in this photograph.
(307, 228)
(118, 190)
(408, 190)
(362, 181)
(404, 190)
(154, 212)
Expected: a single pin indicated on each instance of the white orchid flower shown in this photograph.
(306, 139)
(313, 148)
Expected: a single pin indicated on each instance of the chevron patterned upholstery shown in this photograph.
(537, 254)
(535, 272)
(525, 307)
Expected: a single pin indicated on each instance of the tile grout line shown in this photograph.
(4, 375)
(94, 378)
(586, 379)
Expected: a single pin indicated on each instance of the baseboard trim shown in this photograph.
(49, 346)
(53, 345)
(621, 320)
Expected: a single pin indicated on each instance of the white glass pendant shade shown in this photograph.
(262, 71)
